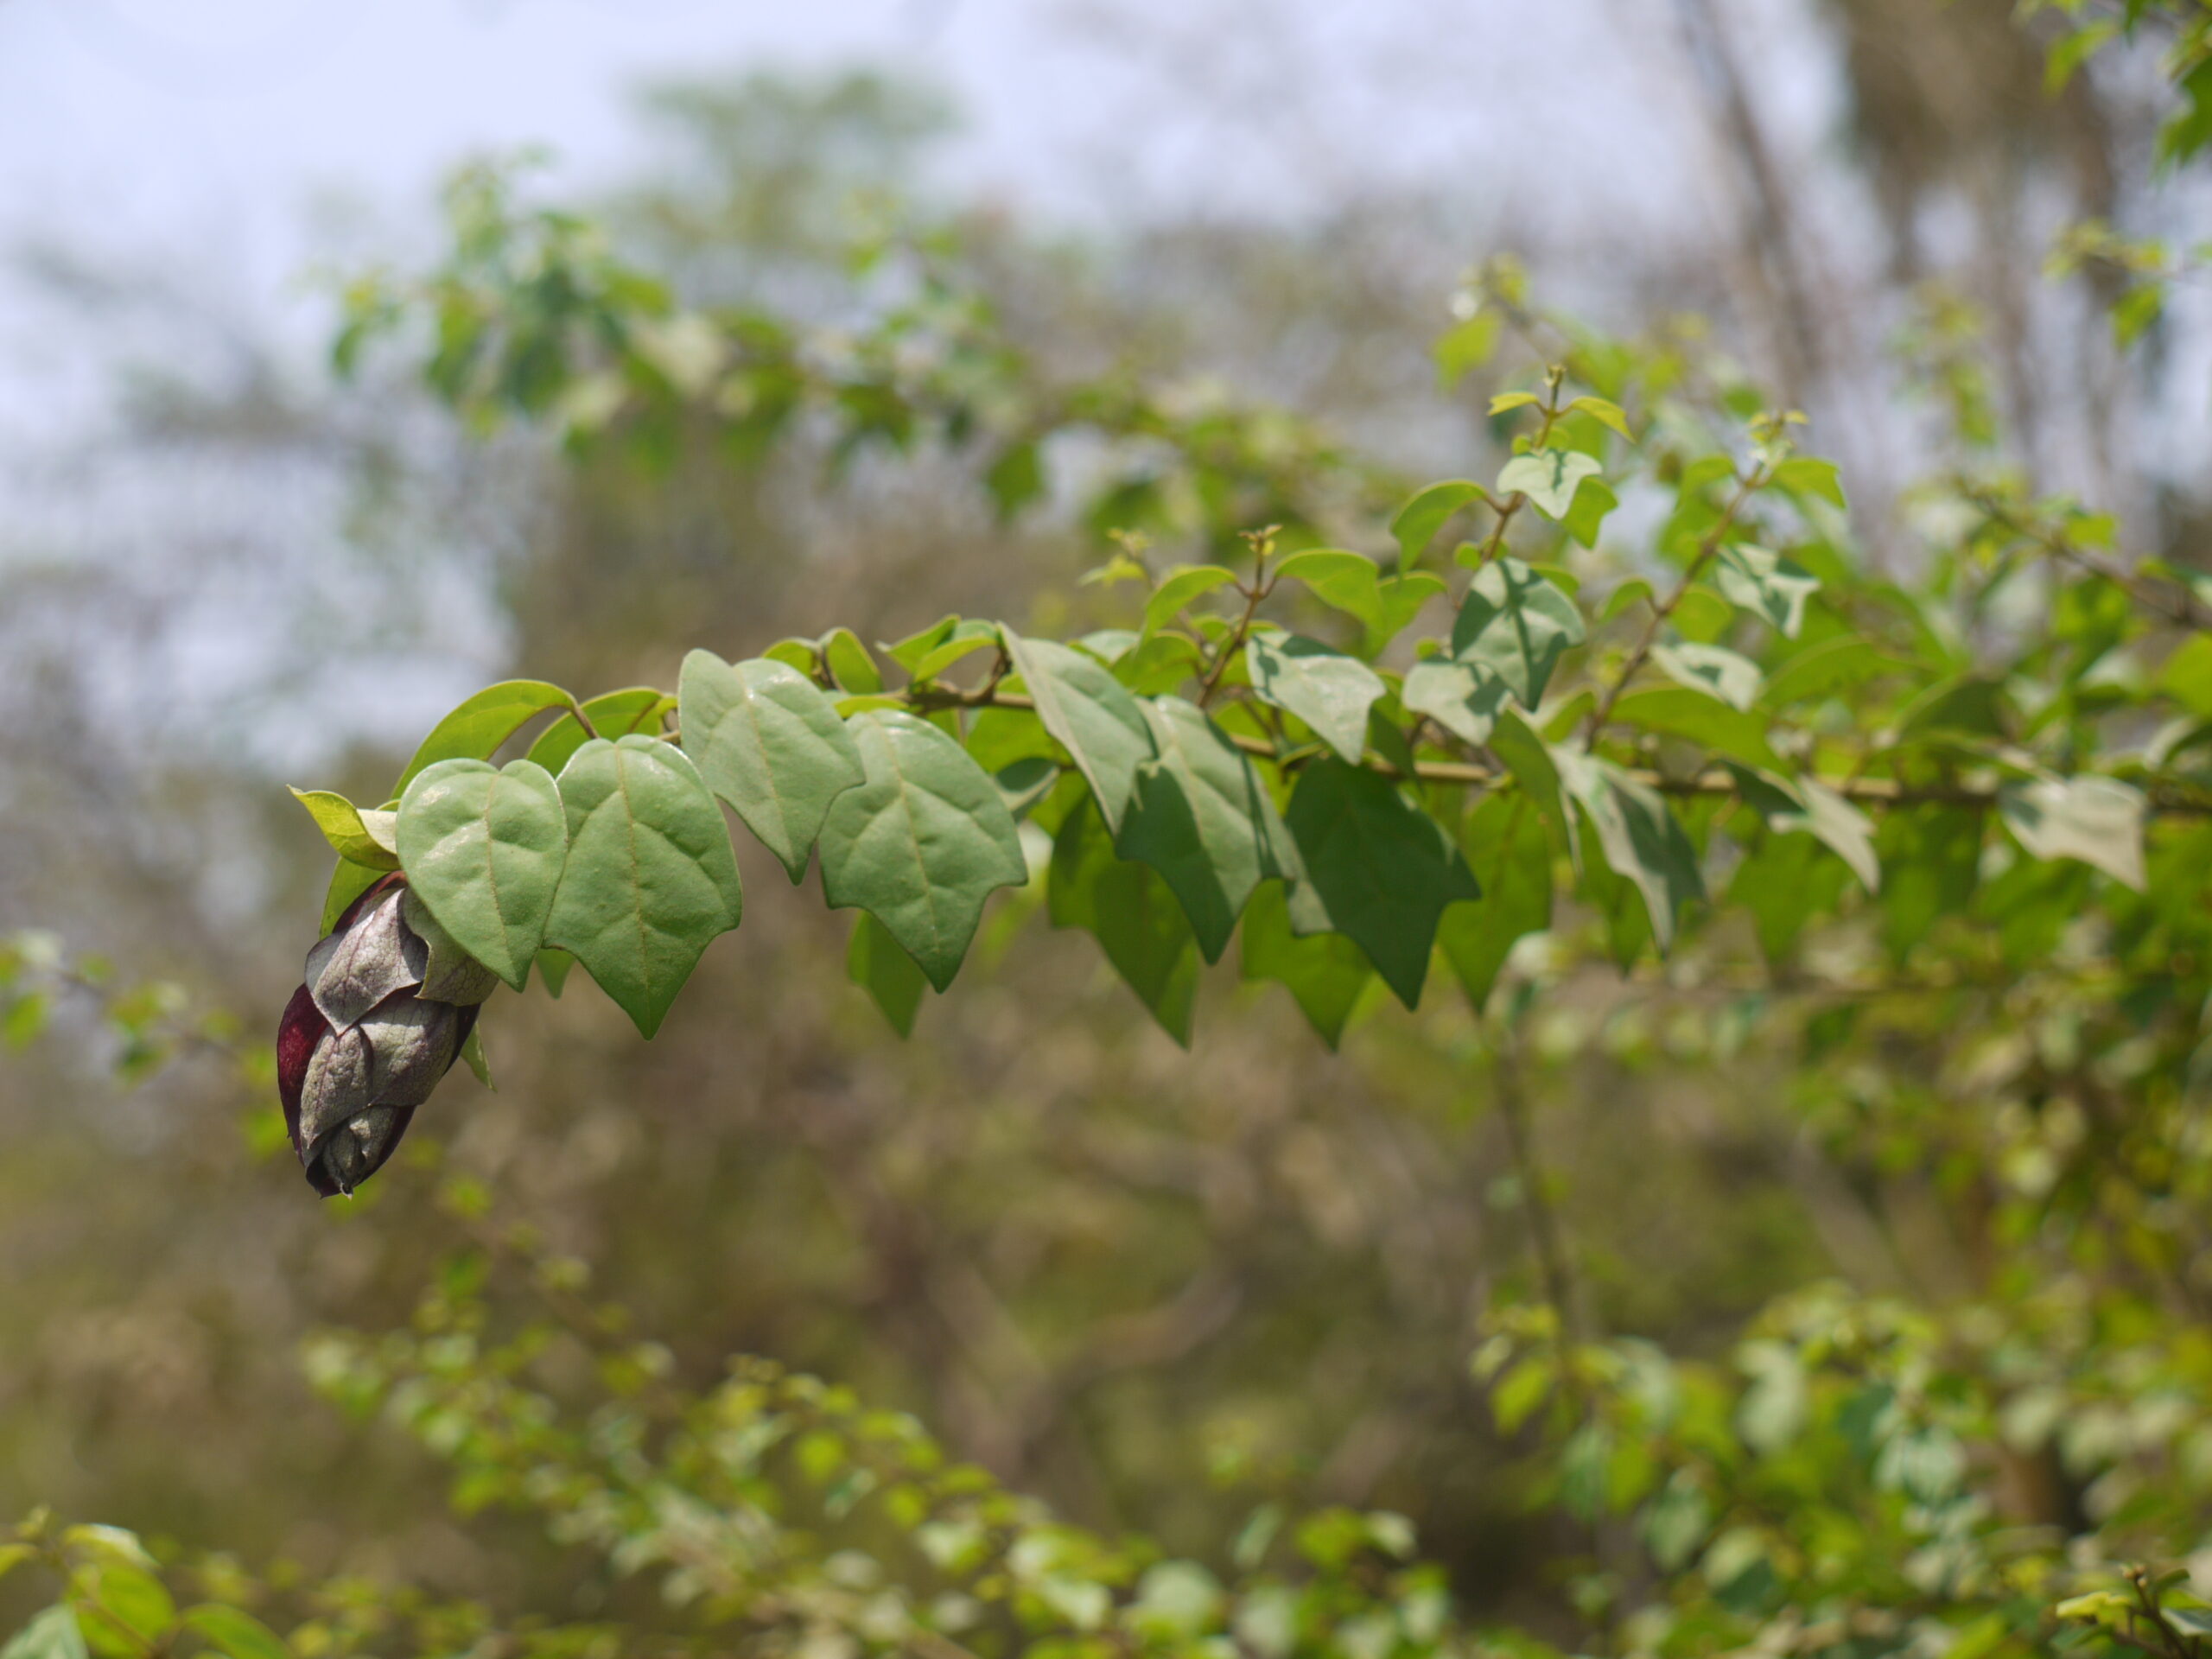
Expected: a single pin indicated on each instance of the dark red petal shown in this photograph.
(297, 1033)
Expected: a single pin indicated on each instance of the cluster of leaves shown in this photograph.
(1632, 701)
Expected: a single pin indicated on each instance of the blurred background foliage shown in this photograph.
(1159, 1290)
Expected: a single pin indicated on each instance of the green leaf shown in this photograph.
(53, 1634)
(1805, 476)
(1516, 625)
(651, 879)
(363, 838)
(1461, 697)
(1330, 692)
(1015, 478)
(1348, 581)
(1701, 718)
(484, 849)
(849, 663)
(553, 968)
(1931, 863)
(1466, 347)
(1134, 915)
(1416, 523)
(1593, 504)
(1203, 819)
(1790, 805)
(1026, 782)
(964, 639)
(1326, 974)
(1766, 584)
(472, 1053)
(478, 725)
(135, 1611)
(879, 964)
(235, 1632)
(1402, 598)
(1378, 870)
(1548, 478)
(1506, 847)
(1092, 715)
(1822, 670)
(921, 842)
(1714, 670)
(2095, 820)
(612, 714)
(1640, 839)
(767, 742)
(1177, 588)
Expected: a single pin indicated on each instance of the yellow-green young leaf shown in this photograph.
(53, 1634)
(879, 964)
(1203, 819)
(484, 849)
(1091, 713)
(1377, 870)
(650, 879)
(474, 730)
(133, 1611)
(1804, 475)
(235, 1632)
(363, 838)
(767, 742)
(1326, 974)
(1607, 413)
(850, 665)
(1511, 400)
(613, 714)
(1328, 690)
(921, 842)
(1415, 525)
(1185, 583)
(1133, 914)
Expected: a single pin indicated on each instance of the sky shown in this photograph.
(206, 139)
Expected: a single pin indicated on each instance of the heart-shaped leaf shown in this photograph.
(767, 742)
(1204, 821)
(1548, 478)
(921, 842)
(1328, 690)
(1517, 624)
(1091, 713)
(651, 879)
(483, 849)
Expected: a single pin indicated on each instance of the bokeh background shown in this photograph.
(1159, 1289)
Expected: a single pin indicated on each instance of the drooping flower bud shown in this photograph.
(388, 1002)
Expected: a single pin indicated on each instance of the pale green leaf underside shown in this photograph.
(921, 842)
(651, 879)
(766, 740)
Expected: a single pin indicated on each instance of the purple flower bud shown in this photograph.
(388, 1002)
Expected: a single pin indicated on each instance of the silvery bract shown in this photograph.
(388, 1002)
